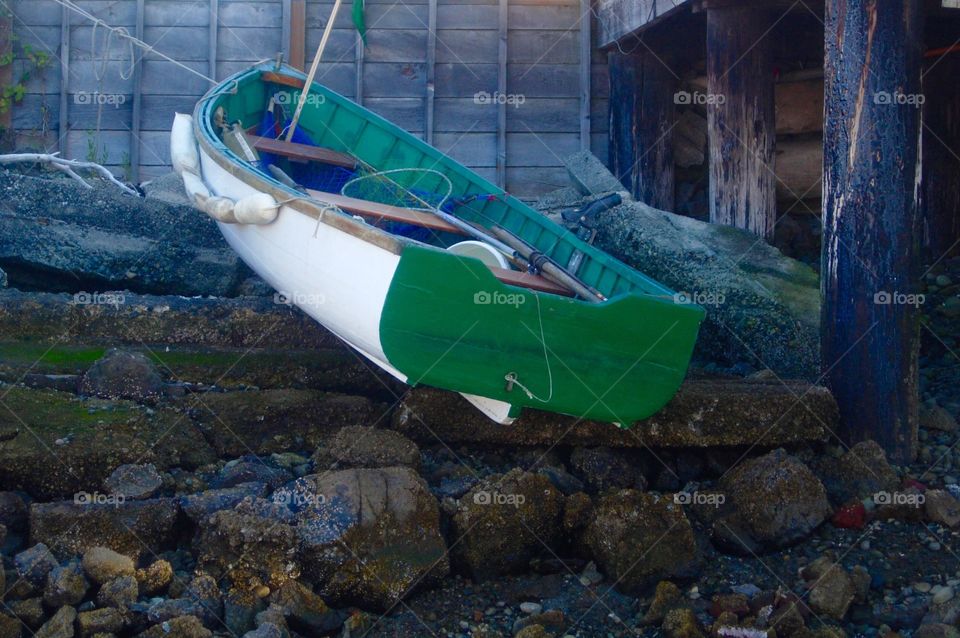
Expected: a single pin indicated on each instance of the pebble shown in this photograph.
(934, 546)
(531, 608)
(942, 595)
(922, 588)
(865, 545)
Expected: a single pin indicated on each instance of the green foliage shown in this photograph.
(36, 61)
(96, 153)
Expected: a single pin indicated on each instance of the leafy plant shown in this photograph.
(36, 62)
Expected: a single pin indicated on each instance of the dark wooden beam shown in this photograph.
(741, 119)
(298, 33)
(622, 115)
(941, 156)
(871, 219)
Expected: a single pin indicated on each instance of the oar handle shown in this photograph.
(313, 70)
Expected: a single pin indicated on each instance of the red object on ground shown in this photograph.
(853, 516)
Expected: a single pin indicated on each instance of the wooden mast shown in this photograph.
(871, 219)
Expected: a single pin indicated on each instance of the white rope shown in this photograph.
(511, 377)
(427, 206)
(122, 33)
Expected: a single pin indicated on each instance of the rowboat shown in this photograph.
(446, 306)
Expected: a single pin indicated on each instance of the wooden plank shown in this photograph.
(360, 54)
(63, 130)
(622, 152)
(941, 157)
(502, 55)
(653, 171)
(298, 34)
(213, 48)
(430, 104)
(741, 120)
(585, 47)
(871, 262)
(286, 29)
(302, 152)
(137, 98)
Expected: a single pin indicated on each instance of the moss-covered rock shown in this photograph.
(359, 446)
(368, 536)
(861, 472)
(504, 522)
(640, 539)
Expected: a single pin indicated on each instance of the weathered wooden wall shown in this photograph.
(541, 67)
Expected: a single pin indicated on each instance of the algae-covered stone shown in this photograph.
(681, 623)
(369, 535)
(359, 446)
(34, 564)
(90, 438)
(861, 472)
(182, 627)
(771, 501)
(131, 528)
(156, 578)
(122, 374)
(134, 481)
(66, 585)
(103, 565)
(640, 539)
(60, 625)
(505, 521)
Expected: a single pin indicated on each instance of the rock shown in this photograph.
(577, 513)
(29, 611)
(181, 627)
(266, 630)
(936, 630)
(666, 597)
(239, 544)
(504, 522)
(250, 470)
(861, 583)
(533, 631)
(531, 608)
(681, 623)
(773, 300)
(704, 413)
(120, 592)
(590, 176)
(305, 611)
(155, 579)
(603, 468)
(937, 418)
(359, 446)
(122, 374)
(941, 507)
(736, 604)
(567, 483)
(66, 585)
(103, 565)
(136, 482)
(369, 535)
(91, 438)
(860, 473)
(831, 588)
(34, 564)
(639, 539)
(96, 621)
(941, 595)
(771, 501)
(199, 507)
(110, 238)
(60, 625)
(240, 610)
(10, 627)
(13, 512)
(130, 528)
(201, 599)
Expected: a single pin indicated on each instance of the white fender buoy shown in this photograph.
(183, 146)
(219, 208)
(259, 209)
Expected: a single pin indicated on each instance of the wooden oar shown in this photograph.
(313, 70)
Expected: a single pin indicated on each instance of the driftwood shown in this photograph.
(66, 166)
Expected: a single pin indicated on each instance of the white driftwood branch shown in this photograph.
(66, 166)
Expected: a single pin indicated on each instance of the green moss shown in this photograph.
(52, 414)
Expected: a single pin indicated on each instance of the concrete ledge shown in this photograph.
(704, 413)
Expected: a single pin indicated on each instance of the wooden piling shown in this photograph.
(941, 157)
(871, 219)
(741, 118)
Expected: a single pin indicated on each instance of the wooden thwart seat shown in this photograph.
(302, 152)
(375, 210)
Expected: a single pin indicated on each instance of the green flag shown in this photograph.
(359, 20)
